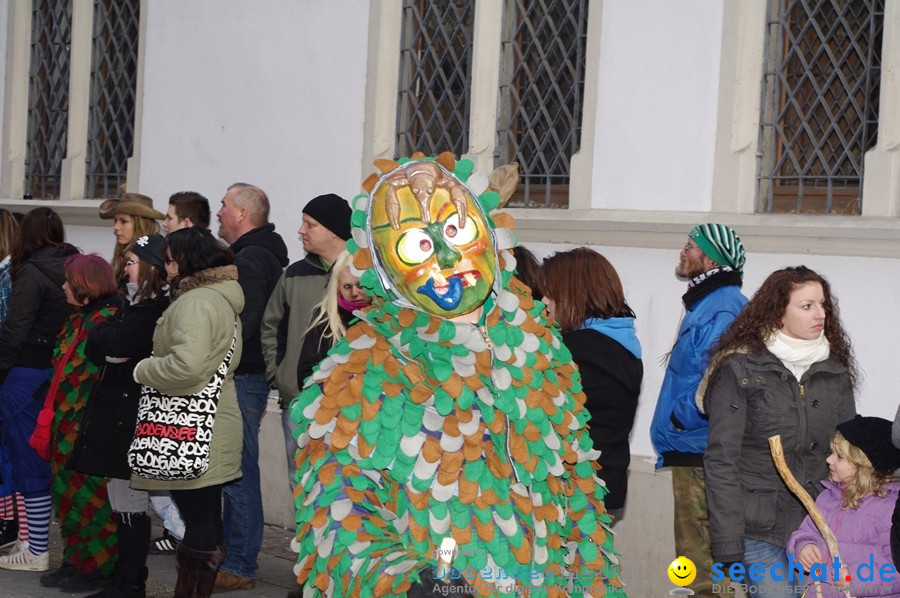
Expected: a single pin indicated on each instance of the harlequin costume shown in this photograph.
(420, 426)
(86, 520)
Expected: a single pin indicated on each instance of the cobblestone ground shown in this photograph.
(275, 576)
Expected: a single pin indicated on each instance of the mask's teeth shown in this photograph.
(439, 280)
(470, 279)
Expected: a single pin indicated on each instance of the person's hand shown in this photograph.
(842, 582)
(809, 555)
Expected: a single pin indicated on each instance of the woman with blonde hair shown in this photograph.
(133, 216)
(859, 496)
(331, 316)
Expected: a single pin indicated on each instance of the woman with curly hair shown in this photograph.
(785, 366)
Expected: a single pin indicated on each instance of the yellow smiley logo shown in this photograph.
(682, 571)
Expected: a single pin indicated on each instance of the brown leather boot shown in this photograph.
(196, 571)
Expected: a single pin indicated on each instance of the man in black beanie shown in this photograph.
(324, 232)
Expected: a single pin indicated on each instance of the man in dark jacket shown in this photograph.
(712, 261)
(324, 232)
(260, 255)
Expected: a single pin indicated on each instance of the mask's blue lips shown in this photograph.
(447, 300)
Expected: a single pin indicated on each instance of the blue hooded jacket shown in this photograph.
(679, 430)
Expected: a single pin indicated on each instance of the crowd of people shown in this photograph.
(376, 342)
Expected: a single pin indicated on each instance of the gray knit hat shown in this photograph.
(720, 244)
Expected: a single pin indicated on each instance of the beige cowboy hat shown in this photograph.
(133, 204)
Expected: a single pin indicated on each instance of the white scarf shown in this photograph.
(796, 354)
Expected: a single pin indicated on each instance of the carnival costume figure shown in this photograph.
(445, 435)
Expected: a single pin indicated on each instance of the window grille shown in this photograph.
(541, 96)
(820, 104)
(48, 97)
(113, 84)
(435, 70)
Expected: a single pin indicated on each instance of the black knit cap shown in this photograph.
(151, 249)
(873, 437)
(331, 211)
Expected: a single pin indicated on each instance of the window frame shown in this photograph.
(15, 112)
(875, 233)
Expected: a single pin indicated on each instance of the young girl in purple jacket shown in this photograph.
(857, 503)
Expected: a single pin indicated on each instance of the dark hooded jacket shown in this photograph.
(611, 377)
(37, 309)
(260, 256)
(107, 426)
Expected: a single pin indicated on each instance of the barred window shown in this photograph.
(435, 71)
(541, 96)
(820, 104)
(113, 86)
(81, 97)
(48, 97)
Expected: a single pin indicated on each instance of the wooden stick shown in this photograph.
(814, 513)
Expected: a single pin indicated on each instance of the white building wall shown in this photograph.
(268, 92)
(656, 121)
(273, 92)
(4, 14)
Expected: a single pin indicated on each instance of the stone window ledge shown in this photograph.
(84, 212)
(775, 233)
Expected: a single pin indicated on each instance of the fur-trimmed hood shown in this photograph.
(223, 280)
(205, 278)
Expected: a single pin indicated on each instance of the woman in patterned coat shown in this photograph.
(86, 520)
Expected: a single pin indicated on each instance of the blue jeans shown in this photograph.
(242, 517)
(756, 551)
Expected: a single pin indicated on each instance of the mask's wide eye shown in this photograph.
(415, 246)
(459, 235)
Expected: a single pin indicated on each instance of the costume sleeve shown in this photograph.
(269, 326)
(727, 408)
(350, 526)
(349, 542)
(590, 538)
(702, 340)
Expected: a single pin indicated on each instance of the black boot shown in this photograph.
(129, 580)
(127, 583)
(196, 571)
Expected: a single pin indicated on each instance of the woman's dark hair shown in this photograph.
(151, 283)
(528, 271)
(8, 225)
(763, 314)
(89, 277)
(584, 285)
(195, 249)
(40, 227)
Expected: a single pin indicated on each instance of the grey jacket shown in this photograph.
(285, 320)
(750, 398)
